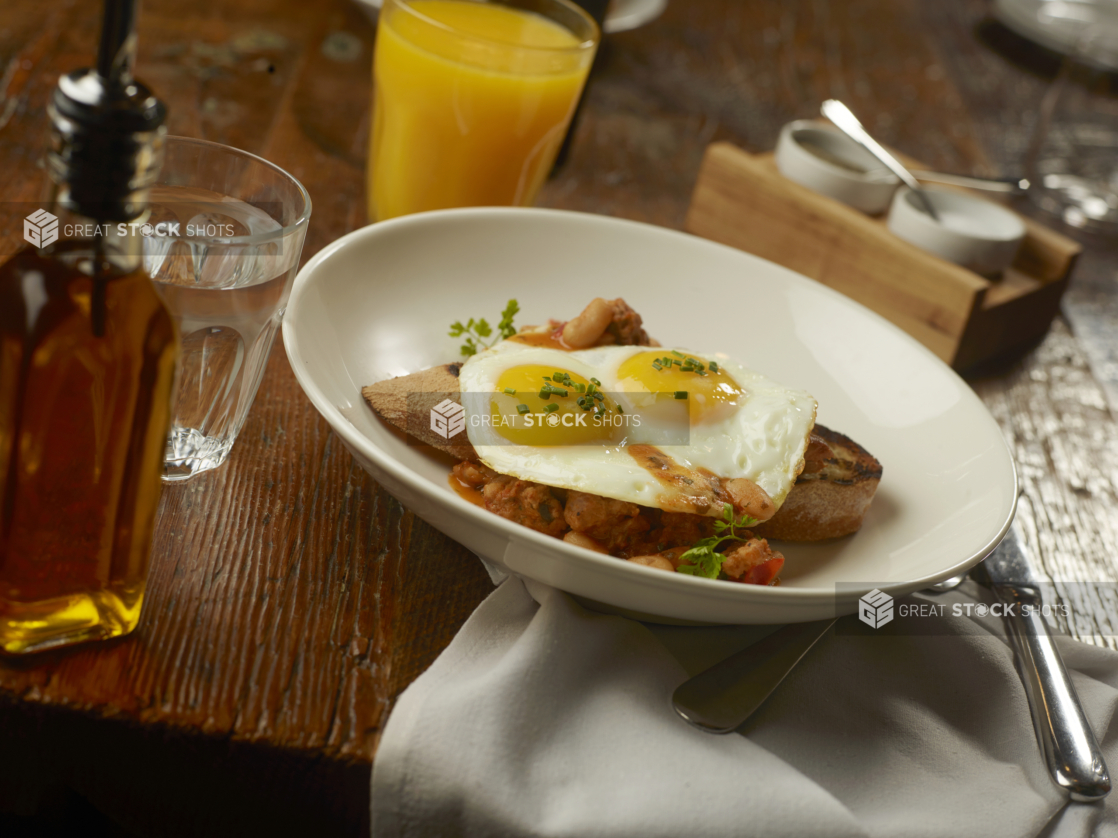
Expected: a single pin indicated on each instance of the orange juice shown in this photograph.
(472, 101)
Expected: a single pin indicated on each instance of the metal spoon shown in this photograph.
(721, 698)
(1006, 186)
(846, 122)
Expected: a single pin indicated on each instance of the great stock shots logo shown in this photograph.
(40, 229)
(875, 609)
(448, 418)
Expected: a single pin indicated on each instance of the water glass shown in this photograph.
(1072, 162)
(222, 243)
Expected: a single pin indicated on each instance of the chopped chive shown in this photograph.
(581, 388)
(678, 355)
(596, 381)
(559, 392)
(510, 391)
(550, 408)
(619, 409)
(655, 364)
(591, 389)
(522, 409)
(681, 394)
(702, 372)
(714, 366)
(544, 393)
(547, 378)
(599, 395)
(559, 376)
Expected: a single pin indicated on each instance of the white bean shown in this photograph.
(582, 331)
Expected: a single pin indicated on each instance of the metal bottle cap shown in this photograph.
(107, 139)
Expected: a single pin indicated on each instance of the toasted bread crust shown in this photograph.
(832, 501)
(393, 399)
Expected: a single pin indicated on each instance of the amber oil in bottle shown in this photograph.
(88, 353)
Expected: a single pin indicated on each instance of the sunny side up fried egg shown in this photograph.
(704, 413)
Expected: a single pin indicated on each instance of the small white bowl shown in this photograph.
(822, 158)
(971, 232)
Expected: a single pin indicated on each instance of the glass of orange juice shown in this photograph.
(472, 99)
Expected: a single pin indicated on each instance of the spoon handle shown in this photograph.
(1006, 186)
(721, 698)
(845, 121)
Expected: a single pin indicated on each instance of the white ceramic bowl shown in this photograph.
(377, 303)
(822, 158)
(971, 232)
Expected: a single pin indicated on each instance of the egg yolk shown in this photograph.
(710, 389)
(539, 405)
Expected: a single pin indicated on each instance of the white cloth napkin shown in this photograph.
(545, 719)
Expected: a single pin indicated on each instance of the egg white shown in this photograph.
(762, 438)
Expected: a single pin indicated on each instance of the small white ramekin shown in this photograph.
(971, 232)
(847, 172)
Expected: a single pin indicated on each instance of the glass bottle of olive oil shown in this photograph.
(88, 353)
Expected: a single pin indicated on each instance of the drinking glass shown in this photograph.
(472, 100)
(1072, 162)
(222, 244)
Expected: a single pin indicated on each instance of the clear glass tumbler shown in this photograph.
(1072, 161)
(223, 245)
(472, 100)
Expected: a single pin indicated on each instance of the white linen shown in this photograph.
(545, 719)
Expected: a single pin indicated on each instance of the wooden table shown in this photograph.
(290, 599)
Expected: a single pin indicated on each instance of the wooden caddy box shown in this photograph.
(742, 200)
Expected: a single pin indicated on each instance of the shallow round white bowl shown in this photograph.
(377, 303)
(971, 232)
(868, 190)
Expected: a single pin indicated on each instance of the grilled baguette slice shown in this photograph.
(405, 403)
(829, 500)
(832, 494)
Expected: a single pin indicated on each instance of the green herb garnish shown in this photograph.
(522, 409)
(685, 363)
(476, 331)
(703, 559)
(681, 394)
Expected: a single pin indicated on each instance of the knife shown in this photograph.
(1069, 746)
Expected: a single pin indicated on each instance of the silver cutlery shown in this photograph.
(720, 699)
(845, 121)
(1006, 186)
(1066, 740)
